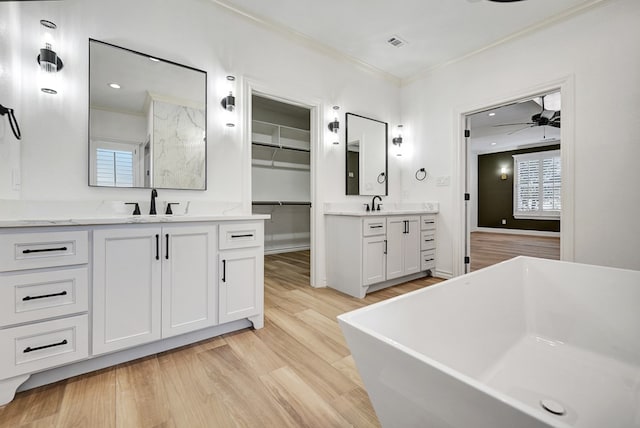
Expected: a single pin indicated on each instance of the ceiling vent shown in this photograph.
(396, 41)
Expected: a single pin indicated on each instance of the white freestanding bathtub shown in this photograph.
(525, 343)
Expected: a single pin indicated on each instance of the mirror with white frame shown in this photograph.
(147, 121)
(366, 156)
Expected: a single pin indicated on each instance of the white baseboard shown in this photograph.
(517, 232)
(443, 274)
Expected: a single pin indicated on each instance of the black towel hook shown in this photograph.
(12, 120)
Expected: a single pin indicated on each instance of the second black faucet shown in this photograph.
(154, 195)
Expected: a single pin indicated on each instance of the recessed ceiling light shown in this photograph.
(493, 144)
(492, 114)
(114, 86)
(154, 59)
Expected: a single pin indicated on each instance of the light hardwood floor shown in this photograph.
(490, 248)
(295, 372)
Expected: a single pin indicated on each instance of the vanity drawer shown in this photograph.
(20, 251)
(241, 235)
(39, 346)
(34, 296)
(374, 226)
(427, 222)
(427, 240)
(428, 260)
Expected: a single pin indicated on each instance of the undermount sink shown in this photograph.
(525, 343)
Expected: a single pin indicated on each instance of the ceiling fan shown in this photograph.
(544, 118)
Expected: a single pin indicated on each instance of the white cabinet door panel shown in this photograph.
(241, 284)
(189, 300)
(411, 246)
(395, 236)
(126, 287)
(373, 260)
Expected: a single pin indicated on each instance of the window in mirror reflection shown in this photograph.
(366, 156)
(147, 120)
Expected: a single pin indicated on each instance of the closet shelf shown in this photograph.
(279, 135)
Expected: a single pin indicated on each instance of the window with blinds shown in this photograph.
(537, 185)
(114, 168)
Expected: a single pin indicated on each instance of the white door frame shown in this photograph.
(566, 85)
(316, 107)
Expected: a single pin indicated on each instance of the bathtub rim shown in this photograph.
(348, 319)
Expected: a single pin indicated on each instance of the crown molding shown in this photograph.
(307, 41)
(518, 34)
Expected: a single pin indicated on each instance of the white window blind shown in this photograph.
(114, 168)
(537, 185)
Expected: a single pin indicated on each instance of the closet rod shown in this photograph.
(273, 146)
(280, 203)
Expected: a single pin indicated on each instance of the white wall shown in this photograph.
(198, 33)
(599, 50)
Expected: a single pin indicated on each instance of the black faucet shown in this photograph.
(154, 195)
(373, 203)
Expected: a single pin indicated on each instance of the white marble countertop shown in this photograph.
(30, 213)
(380, 213)
(138, 219)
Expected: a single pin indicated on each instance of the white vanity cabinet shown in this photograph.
(43, 302)
(77, 297)
(241, 267)
(403, 246)
(151, 283)
(368, 252)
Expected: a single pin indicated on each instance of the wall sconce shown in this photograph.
(48, 59)
(335, 125)
(397, 141)
(229, 102)
(503, 173)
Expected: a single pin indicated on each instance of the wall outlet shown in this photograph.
(443, 181)
(504, 221)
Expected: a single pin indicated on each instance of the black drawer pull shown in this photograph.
(224, 271)
(44, 250)
(37, 348)
(44, 296)
(157, 247)
(246, 235)
(429, 240)
(428, 260)
(376, 227)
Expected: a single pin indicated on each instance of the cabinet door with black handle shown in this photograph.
(241, 292)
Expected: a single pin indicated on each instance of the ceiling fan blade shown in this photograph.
(514, 124)
(554, 124)
(518, 130)
(548, 114)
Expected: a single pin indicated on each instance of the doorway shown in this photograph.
(514, 179)
(281, 171)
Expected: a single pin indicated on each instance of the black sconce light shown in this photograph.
(335, 125)
(397, 141)
(229, 102)
(48, 59)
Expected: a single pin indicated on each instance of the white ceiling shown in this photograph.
(437, 31)
(488, 133)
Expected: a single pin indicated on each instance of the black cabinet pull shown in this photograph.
(406, 226)
(429, 240)
(157, 247)
(224, 271)
(376, 227)
(37, 348)
(385, 247)
(44, 250)
(44, 296)
(246, 235)
(166, 256)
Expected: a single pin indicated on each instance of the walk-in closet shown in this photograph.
(281, 167)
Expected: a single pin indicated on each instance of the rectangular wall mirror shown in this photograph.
(366, 151)
(147, 121)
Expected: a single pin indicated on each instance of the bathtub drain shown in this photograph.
(552, 406)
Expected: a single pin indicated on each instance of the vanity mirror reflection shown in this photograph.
(147, 120)
(366, 156)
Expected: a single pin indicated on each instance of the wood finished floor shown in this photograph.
(295, 372)
(490, 248)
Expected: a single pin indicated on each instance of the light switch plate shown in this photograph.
(443, 181)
